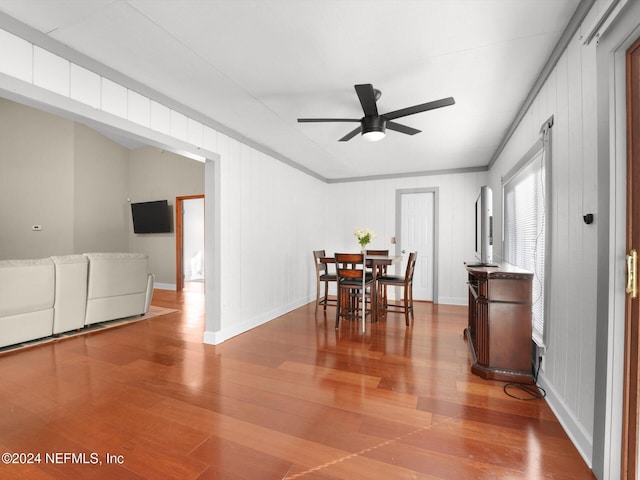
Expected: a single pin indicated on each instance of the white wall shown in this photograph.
(272, 218)
(569, 364)
(372, 204)
(275, 216)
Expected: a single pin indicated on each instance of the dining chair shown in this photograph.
(406, 282)
(350, 270)
(382, 269)
(322, 276)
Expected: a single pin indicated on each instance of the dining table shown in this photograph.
(375, 262)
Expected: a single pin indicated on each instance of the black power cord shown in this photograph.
(533, 391)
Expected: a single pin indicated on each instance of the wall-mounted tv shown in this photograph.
(484, 226)
(151, 217)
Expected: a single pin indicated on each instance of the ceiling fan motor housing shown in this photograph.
(373, 124)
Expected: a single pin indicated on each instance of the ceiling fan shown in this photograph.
(373, 125)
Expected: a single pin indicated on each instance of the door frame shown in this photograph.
(180, 238)
(610, 41)
(631, 379)
(436, 209)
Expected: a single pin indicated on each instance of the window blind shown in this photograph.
(524, 192)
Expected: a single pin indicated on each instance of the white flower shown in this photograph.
(364, 236)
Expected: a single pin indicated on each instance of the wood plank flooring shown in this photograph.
(292, 399)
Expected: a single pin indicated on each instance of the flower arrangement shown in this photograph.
(364, 236)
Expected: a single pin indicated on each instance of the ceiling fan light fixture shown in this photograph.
(373, 128)
(373, 136)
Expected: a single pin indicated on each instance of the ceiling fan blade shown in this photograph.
(402, 128)
(367, 99)
(351, 134)
(443, 102)
(309, 120)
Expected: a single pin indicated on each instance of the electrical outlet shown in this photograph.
(36, 228)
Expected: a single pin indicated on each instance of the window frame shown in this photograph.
(540, 150)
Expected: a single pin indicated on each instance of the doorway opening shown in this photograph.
(190, 243)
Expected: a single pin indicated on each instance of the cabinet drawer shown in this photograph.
(509, 290)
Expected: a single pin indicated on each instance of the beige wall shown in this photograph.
(36, 183)
(156, 174)
(78, 184)
(101, 216)
(63, 176)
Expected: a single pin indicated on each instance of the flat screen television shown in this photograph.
(484, 226)
(151, 217)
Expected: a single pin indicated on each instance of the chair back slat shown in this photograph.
(321, 267)
(377, 252)
(349, 265)
(382, 269)
(350, 273)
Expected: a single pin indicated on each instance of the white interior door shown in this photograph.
(416, 235)
(193, 240)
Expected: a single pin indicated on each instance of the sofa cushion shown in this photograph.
(23, 327)
(113, 274)
(27, 286)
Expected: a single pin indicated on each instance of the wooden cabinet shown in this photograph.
(499, 330)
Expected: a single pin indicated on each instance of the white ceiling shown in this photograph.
(255, 66)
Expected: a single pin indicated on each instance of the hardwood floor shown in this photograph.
(292, 399)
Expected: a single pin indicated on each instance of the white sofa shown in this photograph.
(48, 296)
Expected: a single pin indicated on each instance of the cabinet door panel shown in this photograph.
(510, 336)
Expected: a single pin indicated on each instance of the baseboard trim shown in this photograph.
(453, 301)
(217, 337)
(578, 435)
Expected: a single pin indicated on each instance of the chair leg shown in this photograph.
(406, 308)
(326, 294)
(338, 306)
(384, 296)
(411, 300)
(317, 294)
(354, 303)
(375, 313)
